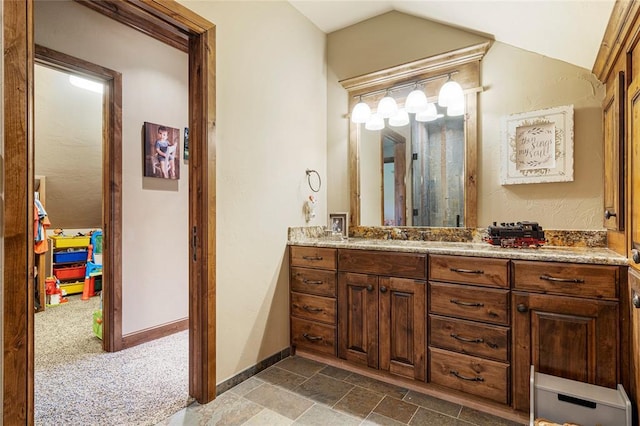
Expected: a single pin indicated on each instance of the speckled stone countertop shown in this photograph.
(578, 253)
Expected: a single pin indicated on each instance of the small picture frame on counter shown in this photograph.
(339, 222)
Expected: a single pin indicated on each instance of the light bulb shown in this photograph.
(456, 108)
(416, 101)
(387, 107)
(360, 113)
(450, 92)
(375, 122)
(400, 119)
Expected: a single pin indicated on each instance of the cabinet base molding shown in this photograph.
(425, 388)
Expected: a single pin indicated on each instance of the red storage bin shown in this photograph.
(70, 273)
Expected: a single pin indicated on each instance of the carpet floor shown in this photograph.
(77, 383)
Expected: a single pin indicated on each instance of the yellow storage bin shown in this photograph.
(72, 288)
(77, 241)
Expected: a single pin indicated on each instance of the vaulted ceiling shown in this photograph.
(568, 30)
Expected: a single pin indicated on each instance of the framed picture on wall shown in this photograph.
(339, 222)
(161, 151)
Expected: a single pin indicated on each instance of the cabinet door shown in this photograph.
(358, 313)
(634, 171)
(613, 125)
(634, 369)
(402, 327)
(563, 336)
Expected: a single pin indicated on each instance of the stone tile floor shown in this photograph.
(298, 391)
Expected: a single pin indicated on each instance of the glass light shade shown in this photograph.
(375, 122)
(416, 101)
(455, 109)
(361, 113)
(387, 107)
(450, 92)
(400, 119)
(429, 114)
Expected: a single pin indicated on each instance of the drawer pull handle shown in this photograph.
(467, 271)
(315, 282)
(466, 339)
(312, 309)
(562, 280)
(470, 304)
(471, 379)
(312, 338)
(312, 257)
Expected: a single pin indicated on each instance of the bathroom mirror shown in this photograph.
(422, 173)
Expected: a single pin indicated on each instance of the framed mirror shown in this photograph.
(416, 171)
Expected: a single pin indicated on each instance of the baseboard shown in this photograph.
(149, 334)
(252, 371)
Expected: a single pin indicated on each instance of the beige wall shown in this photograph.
(514, 81)
(68, 149)
(155, 220)
(271, 127)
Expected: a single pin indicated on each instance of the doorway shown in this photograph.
(175, 25)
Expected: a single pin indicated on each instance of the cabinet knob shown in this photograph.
(608, 214)
(635, 300)
(635, 255)
(522, 308)
(383, 289)
(369, 287)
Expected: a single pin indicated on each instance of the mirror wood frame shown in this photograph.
(173, 24)
(465, 65)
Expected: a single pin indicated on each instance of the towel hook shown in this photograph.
(309, 172)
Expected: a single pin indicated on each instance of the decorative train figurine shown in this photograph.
(521, 234)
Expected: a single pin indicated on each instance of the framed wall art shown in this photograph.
(537, 146)
(161, 151)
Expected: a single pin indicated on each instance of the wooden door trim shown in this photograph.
(111, 185)
(18, 309)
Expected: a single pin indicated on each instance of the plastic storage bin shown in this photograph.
(70, 256)
(77, 241)
(568, 401)
(70, 273)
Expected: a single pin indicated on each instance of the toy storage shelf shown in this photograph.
(68, 262)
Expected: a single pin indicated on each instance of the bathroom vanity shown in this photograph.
(461, 320)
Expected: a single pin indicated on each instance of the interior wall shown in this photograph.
(68, 149)
(270, 128)
(514, 81)
(155, 211)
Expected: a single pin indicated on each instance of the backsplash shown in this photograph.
(563, 238)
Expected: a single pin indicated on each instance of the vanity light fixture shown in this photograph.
(361, 112)
(451, 96)
(387, 107)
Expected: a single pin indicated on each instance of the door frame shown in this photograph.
(111, 185)
(174, 24)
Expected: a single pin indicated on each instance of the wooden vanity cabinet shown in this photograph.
(381, 306)
(565, 323)
(313, 299)
(469, 316)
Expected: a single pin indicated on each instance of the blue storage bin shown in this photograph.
(70, 256)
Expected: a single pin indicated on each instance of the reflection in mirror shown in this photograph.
(422, 173)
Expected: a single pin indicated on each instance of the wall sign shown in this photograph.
(537, 146)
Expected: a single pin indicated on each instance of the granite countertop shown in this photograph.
(593, 255)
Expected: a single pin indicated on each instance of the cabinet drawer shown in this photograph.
(313, 257)
(313, 336)
(313, 308)
(469, 270)
(404, 265)
(567, 278)
(313, 281)
(469, 302)
(477, 376)
(488, 341)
